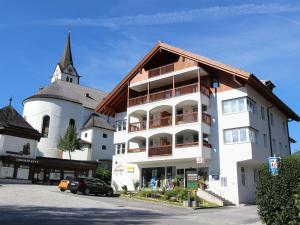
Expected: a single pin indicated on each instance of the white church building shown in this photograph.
(53, 108)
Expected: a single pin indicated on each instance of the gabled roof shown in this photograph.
(121, 88)
(96, 121)
(88, 97)
(13, 124)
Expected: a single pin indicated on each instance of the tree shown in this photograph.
(277, 196)
(104, 174)
(70, 142)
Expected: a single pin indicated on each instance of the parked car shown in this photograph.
(65, 184)
(91, 186)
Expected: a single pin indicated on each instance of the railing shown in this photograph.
(160, 122)
(206, 144)
(134, 150)
(160, 95)
(187, 89)
(160, 150)
(161, 70)
(206, 118)
(166, 94)
(137, 100)
(137, 126)
(187, 144)
(187, 118)
(204, 90)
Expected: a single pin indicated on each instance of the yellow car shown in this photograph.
(64, 184)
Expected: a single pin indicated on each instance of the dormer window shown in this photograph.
(67, 79)
(71, 80)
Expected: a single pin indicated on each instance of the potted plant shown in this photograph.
(187, 201)
(195, 202)
(202, 183)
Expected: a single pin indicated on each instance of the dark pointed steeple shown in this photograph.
(66, 59)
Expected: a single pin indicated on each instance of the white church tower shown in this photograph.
(65, 102)
(65, 69)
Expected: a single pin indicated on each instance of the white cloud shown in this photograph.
(192, 15)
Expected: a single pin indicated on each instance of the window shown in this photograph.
(204, 108)
(121, 148)
(67, 79)
(71, 80)
(240, 135)
(271, 119)
(103, 147)
(45, 126)
(243, 176)
(104, 135)
(86, 134)
(179, 111)
(265, 140)
(72, 122)
(284, 127)
(238, 105)
(223, 181)
(255, 175)
(262, 111)
(215, 82)
(121, 125)
(179, 139)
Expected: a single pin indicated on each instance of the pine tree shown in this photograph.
(70, 142)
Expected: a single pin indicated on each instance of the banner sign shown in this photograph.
(274, 165)
(192, 181)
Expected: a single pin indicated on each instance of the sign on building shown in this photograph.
(274, 165)
(192, 181)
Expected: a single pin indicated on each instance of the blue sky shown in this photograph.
(109, 38)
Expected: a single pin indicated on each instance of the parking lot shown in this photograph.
(38, 204)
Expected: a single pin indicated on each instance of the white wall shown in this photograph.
(15, 144)
(98, 141)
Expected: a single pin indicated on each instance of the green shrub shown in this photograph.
(124, 189)
(276, 196)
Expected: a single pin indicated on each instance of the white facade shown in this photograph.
(232, 168)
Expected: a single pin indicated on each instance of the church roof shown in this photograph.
(13, 124)
(88, 97)
(96, 121)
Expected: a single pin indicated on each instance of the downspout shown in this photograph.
(270, 133)
(288, 133)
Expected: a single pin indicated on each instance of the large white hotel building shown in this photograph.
(181, 113)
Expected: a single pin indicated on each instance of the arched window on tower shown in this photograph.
(67, 79)
(72, 122)
(45, 126)
(71, 80)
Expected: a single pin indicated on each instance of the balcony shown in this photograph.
(167, 94)
(161, 70)
(160, 122)
(206, 118)
(187, 118)
(137, 144)
(160, 151)
(135, 150)
(187, 144)
(138, 126)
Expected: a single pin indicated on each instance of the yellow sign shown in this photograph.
(130, 169)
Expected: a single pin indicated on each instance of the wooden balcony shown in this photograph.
(166, 94)
(206, 144)
(161, 70)
(138, 126)
(186, 89)
(160, 122)
(187, 118)
(187, 144)
(137, 100)
(160, 150)
(160, 95)
(206, 118)
(135, 150)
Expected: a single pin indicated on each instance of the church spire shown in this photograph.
(66, 59)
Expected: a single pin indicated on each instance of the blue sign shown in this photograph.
(274, 165)
(152, 182)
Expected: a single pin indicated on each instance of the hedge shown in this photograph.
(277, 196)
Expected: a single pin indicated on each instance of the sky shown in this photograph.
(110, 37)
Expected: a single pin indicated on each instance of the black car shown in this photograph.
(90, 186)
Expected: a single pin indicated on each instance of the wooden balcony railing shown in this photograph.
(161, 70)
(134, 150)
(160, 95)
(206, 118)
(166, 94)
(160, 150)
(187, 118)
(160, 122)
(187, 144)
(187, 89)
(137, 100)
(204, 90)
(137, 126)
(206, 144)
